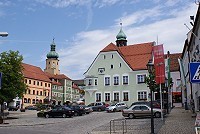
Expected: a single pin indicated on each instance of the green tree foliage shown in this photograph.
(151, 83)
(12, 78)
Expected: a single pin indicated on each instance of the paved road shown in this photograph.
(28, 122)
(94, 123)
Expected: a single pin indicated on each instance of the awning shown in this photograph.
(176, 93)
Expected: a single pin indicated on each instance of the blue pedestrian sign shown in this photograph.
(194, 72)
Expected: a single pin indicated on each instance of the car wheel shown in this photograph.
(75, 114)
(64, 115)
(99, 109)
(157, 115)
(114, 110)
(46, 115)
(131, 116)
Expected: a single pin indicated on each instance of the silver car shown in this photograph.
(142, 110)
(116, 107)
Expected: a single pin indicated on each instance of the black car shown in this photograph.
(13, 108)
(78, 110)
(59, 112)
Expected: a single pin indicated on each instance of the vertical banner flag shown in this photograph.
(159, 63)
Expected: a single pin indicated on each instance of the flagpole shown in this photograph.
(161, 105)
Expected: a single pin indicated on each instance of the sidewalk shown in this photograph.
(179, 121)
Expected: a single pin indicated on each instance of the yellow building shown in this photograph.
(39, 86)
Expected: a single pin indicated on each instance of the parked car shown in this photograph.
(78, 109)
(87, 109)
(142, 110)
(98, 106)
(59, 112)
(155, 103)
(116, 107)
(13, 108)
(30, 108)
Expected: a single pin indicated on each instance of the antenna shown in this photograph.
(190, 30)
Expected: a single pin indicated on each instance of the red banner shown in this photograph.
(159, 63)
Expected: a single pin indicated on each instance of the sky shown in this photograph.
(82, 28)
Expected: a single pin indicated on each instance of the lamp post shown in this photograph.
(150, 70)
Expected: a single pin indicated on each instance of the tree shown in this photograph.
(12, 77)
(151, 83)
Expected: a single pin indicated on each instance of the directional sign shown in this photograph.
(195, 72)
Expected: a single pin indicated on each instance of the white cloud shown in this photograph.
(140, 16)
(170, 31)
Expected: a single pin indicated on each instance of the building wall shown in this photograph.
(107, 60)
(37, 90)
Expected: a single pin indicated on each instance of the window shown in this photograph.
(25, 100)
(29, 91)
(38, 83)
(45, 84)
(107, 81)
(111, 66)
(41, 93)
(29, 100)
(112, 56)
(116, 96)
(120, 64)
(95, 82)
(29, 81)
(33, 101)
(136, 108)
(125, 96)
(142, 95)
(98, 97)
(25, 80)
(37, 92)
(116, 80)
(125, 80)
(141, 78)
(104, 56)
(107, 96)
(41, 84)
(33, 91)
(90, 82)
(178, 82)
(49, 85)
(33, 82)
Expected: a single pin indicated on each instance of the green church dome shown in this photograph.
(52, 53)
(121, 35)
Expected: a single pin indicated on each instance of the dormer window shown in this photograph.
(90, 82)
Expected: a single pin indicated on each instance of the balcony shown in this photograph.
(90, 89)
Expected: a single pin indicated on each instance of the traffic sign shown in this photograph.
(194, 72)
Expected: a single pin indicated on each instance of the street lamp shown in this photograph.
(150, 67)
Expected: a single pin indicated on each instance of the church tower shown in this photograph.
(52, 62)
(121, 38)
